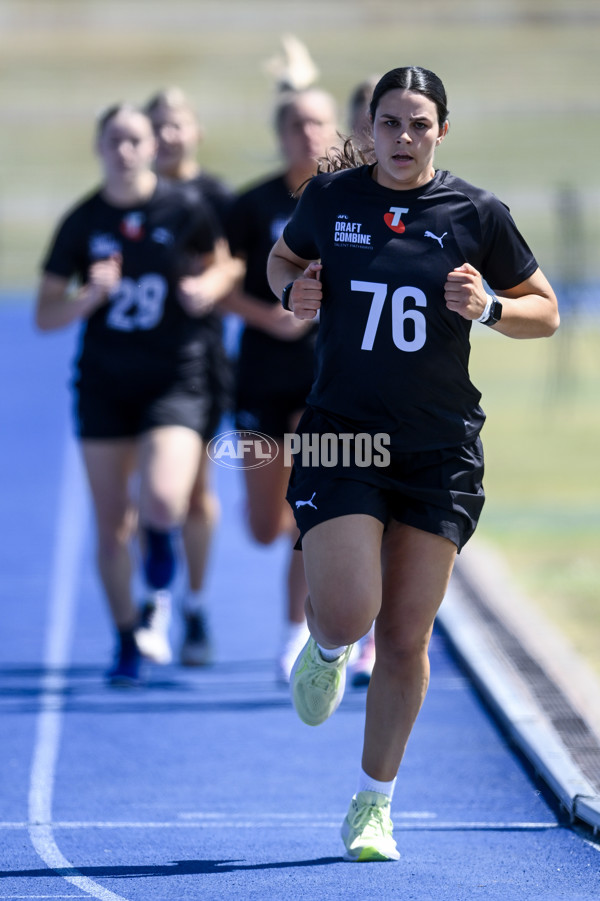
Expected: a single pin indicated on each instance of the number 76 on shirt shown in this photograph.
(407, 339)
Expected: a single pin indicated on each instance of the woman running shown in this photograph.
(276, 361)
(387, 485)
(143, 255)
(179, 135)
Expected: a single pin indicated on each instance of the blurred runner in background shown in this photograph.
(276, 362)
(361, 132)
(179, 135)
(150, 267)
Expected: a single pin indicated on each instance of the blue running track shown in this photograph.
(204, 784)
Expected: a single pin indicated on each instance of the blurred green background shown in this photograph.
(522, 80)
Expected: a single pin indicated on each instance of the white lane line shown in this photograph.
(70, 530)
(251, 821)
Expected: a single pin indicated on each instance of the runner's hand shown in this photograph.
(465, 293)
(307, 293)
(103, 277)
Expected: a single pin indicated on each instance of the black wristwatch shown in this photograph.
(495, 313)
(285, 296)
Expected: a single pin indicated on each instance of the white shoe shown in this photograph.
(295, 639)
(152, 635)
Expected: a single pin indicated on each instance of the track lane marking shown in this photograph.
(265, 821)
(70, 531)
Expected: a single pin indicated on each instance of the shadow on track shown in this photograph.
(177, 868)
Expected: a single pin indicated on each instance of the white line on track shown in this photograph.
(250, 821)
(70, 530)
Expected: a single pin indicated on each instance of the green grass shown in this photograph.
(542, 446)
(522, 79)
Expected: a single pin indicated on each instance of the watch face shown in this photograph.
(494, 314)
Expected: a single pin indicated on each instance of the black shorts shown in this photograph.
(273, 380)
(271, 414)
(104, 412)
(438, 491)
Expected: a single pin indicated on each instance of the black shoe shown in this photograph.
(197, 648)
(125, 671)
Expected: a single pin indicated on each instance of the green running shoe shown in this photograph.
(367, 829)
(317, 684)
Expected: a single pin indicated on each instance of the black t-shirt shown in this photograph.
(142, 333)
(391, 357)
(216, 193)
(257, 220)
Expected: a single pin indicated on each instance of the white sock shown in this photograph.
(158, 596)
(194, 601)
(367, 784)
(331, 654)
(293, 633)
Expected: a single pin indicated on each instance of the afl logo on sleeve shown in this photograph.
(393, 219)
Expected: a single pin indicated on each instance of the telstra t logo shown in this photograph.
(393, 219)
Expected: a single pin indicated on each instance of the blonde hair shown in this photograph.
(171, 98)
(287, 101)
(293, 69)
